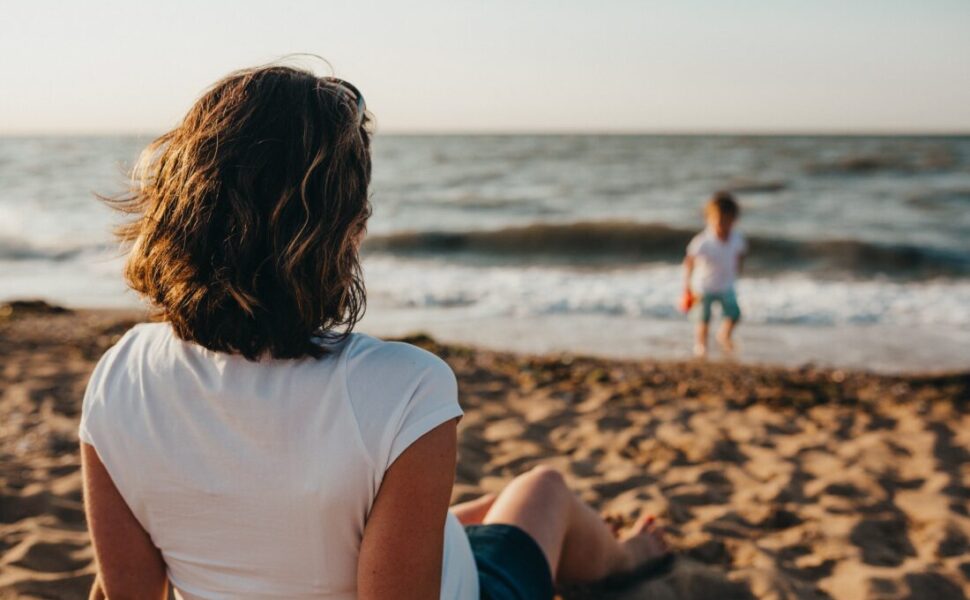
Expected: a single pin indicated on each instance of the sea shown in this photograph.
(859, 246)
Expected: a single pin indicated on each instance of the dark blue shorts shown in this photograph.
(511, 565)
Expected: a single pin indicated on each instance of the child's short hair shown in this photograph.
(723, 204)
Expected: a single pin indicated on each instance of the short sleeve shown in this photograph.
(434, 401)
(398, 393)
(741, 243)
(92, 407)
(694, 247)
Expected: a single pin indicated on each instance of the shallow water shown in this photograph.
(507, 230)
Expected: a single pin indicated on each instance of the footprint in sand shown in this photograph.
(69, 587)
(924, 586)
(51, 557)
(14, 508)
(884, 542)
(685, 580)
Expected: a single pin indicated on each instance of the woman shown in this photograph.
(239, 447)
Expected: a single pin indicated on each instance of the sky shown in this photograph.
(458, 66)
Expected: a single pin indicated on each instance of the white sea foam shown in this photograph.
(651, 292)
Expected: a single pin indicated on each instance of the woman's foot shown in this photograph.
(645, 543)
(700, 350)
(615, 522)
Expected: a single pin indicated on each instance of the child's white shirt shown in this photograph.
(716, 260)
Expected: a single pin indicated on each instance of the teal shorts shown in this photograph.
(729, 306)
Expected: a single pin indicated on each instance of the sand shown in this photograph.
(773, 483)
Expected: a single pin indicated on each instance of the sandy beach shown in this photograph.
(773, 483)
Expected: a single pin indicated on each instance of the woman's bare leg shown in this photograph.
(577, 542)
(473, 512)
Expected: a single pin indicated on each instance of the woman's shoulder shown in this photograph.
(376, 353)
(373, 356)
(398, 392)
(114, 374)
(132, 341)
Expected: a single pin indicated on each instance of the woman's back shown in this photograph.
(255, 478)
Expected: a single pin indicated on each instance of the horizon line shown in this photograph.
(557, 132)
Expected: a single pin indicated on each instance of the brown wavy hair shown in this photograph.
(249, 215)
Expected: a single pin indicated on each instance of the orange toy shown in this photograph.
(687, 300)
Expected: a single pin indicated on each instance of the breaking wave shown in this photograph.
(607, 243)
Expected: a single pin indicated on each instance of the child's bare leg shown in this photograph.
(473, 511)
(724, 335)
(577, 542)
(700, 339)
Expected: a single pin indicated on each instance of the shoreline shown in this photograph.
(865, 349)
(772, 482)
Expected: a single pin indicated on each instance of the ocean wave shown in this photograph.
(754, 186)
(603, 244)
(933, 159)
(651, 292)
(941, 200)
(22, 250)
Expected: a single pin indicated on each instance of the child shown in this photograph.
(717, 253)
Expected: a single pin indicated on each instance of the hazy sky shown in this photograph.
(505, 65)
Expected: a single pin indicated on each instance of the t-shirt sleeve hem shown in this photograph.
(417, 429)
(84, 435)
(694, 247)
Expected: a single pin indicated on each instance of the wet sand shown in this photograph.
(773, 483)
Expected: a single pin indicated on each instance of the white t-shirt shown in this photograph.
(716, 261)
(255, 479)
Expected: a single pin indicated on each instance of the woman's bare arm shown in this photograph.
(401, 553)
(129, 564)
